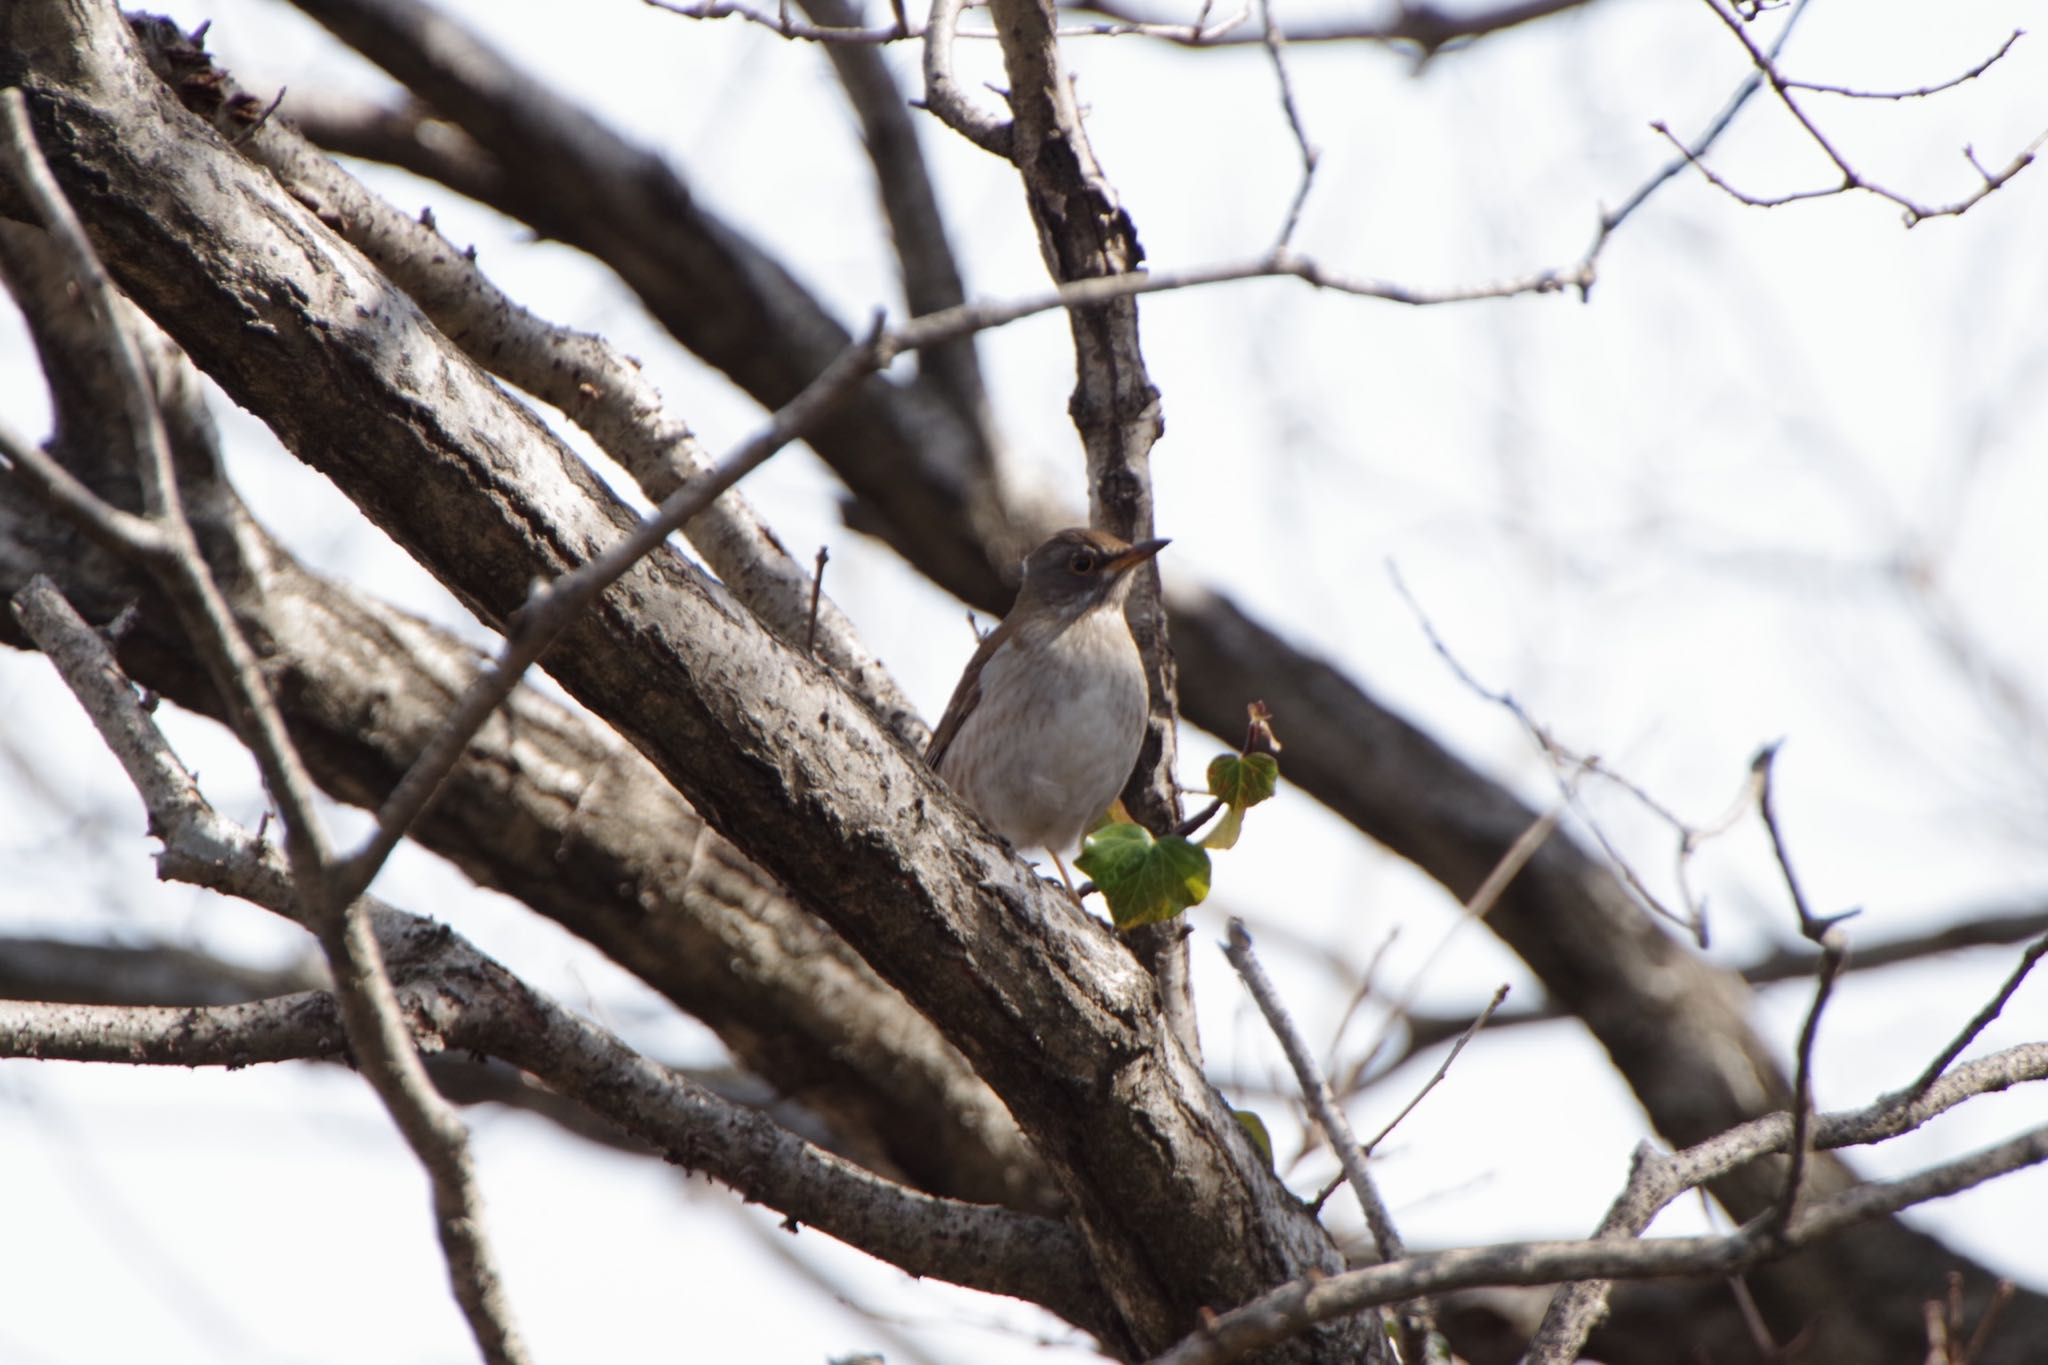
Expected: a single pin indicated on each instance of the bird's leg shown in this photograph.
(1063, 875)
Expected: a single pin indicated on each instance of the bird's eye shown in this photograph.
(1082, 562)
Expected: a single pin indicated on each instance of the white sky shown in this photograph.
(1664, 521)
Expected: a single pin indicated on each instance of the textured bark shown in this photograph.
(706, 283)
(544, 807)
(1178, 1210)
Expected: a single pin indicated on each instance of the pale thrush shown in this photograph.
(1044, 727)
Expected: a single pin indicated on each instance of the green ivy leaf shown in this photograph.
(1145, 880)
(1241, 781)
(1255, 1128)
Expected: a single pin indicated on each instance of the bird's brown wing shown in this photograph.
(966, 696)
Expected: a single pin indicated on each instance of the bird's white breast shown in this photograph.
(1071, 730)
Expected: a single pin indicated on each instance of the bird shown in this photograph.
(1045, 724)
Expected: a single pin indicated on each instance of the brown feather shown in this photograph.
(967, 694)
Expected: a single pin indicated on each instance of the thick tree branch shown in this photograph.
(459, 999)
(600, 390)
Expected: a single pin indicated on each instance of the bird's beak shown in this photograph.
(1136, 555)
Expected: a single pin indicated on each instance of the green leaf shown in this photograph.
(1255, 1128)
(1239, 781)
(1242, 781)
(1145, 880)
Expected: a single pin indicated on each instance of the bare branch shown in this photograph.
(1980, 1021)
(1414, 1320)
(1918, 92)
(1811, 926)
(1656, 1180)
(1476, 908)
(167, 548)
(1826, 932)
(1291, 1309)
(782, 23)
(817, 592)
(1852, 179)
(490, 1013)
(369, 1005)
(1427, 28)
(943, 95)
(1569, 766)
(1442, 1070)
(1273, 40)
(1834, 949)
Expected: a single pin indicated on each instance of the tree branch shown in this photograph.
(544, 807)
(1414, 1322)
(1614, 1254)
(368, 1005)
(600, 390)
(458, 999)
(994, 1250)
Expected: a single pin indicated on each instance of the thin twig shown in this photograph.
(1314, 1089)
(1760, 1337)
(1442, 1070)
(1199, 818)
(1811, 926)
(787, 27)
(1824, 931)
(1981, 1020)
(1568, 766)
(1919, 92)
(1504, 871)
(1273, 40)
(168, 547)
(1416, 1320)
(1656, 1179)
(1612, 219)
(1427, 28)
(1833, 951)
(172, 798)
(1852, 179)
(817, 591)
(2000, 1297)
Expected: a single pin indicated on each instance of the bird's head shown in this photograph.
(1078, 570)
